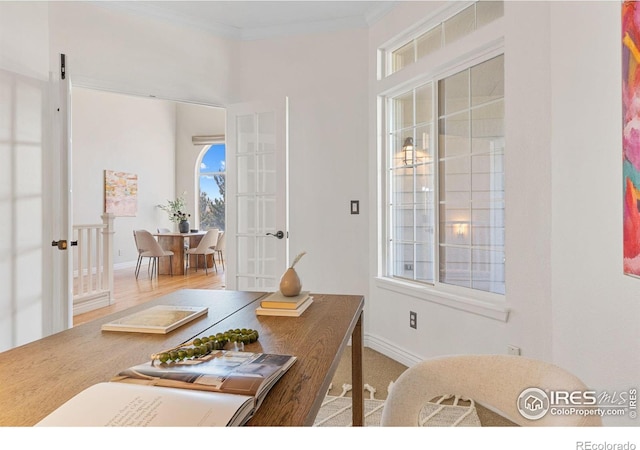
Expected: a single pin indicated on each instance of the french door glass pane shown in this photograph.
(246, 220)
(246, 173)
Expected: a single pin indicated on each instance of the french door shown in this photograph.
(257, 213)
(35, 287)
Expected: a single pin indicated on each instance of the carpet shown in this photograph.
(336, 410)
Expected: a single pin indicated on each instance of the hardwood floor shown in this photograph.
(130, 292)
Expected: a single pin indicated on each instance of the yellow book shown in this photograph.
(285, 312)
(279, 301)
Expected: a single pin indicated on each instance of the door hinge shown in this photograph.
(63, 66)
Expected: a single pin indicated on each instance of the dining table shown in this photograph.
(175, 242)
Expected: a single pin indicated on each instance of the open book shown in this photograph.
(224, 388)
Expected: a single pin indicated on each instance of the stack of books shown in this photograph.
(276, 304)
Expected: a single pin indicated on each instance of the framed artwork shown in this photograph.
(120, 193)
(631, 136)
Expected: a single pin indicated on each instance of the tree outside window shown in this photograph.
(212, 188)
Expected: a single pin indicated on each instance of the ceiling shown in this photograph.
(247, 20)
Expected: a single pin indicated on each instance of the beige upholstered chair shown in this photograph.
(494, 381)
(140, 252)
(220, 247)
(152, 249)
(205, 247)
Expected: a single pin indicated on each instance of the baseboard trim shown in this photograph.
(391, 350)
(100, 301)
(125, 265)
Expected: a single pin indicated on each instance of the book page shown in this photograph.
(130, 405)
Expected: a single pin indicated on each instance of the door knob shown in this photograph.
(279, 234)
(62, 244)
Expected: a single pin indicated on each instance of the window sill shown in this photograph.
(496, 311)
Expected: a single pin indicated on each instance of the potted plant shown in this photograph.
(175, 210)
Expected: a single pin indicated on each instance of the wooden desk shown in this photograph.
(175, 243)
(38, 377)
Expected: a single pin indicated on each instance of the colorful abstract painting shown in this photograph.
(120, 193)
(631, 135)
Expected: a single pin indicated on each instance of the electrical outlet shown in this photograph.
(513, 350)
(413, 319)
(408, 266)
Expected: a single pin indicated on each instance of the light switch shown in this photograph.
(355, 206)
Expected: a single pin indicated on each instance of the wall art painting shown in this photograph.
(120, 193)
(631, 136)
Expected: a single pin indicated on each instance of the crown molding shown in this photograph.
(153, 11)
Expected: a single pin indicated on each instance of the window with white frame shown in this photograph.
(445, 32)
(445, 197)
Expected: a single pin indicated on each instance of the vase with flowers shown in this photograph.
(183, 221)
(175, 210)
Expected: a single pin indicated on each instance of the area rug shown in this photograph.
(336, 410)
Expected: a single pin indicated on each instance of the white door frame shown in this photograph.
(257, 196)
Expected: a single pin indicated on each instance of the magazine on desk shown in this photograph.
(224, 388)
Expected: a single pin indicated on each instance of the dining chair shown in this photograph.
(140, 252)
(205, 247)
(220, 247)
(152, 250)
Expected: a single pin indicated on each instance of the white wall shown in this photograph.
(324, 76)
(595, 307)
(125, 134)
(25, 257)
(127, 53)
(570, 302)
(25, 49)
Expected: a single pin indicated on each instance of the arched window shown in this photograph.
(211, 203)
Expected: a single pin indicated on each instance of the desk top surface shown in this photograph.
(38, 377)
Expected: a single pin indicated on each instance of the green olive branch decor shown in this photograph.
(204, 345)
